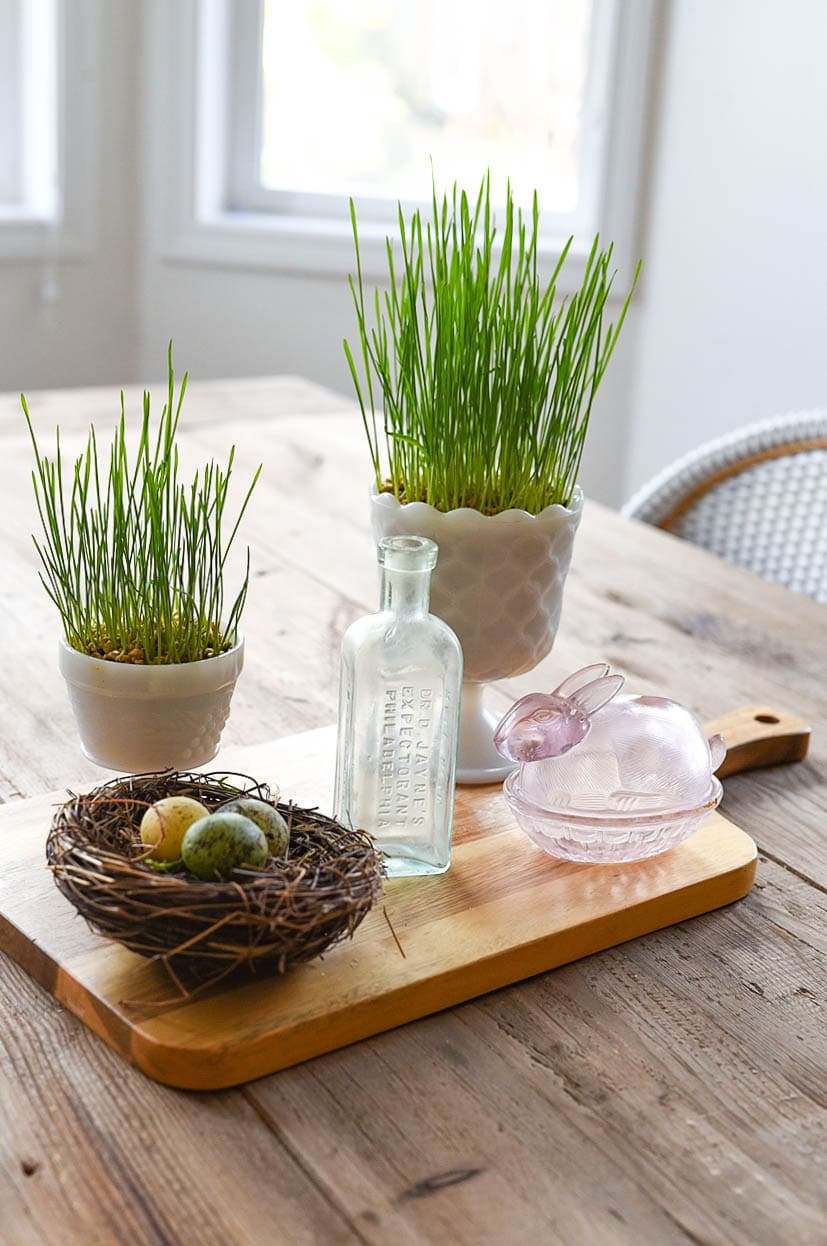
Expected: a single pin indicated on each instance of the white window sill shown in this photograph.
(316, 246)
(25, 236)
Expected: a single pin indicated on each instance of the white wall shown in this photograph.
(733, 313)
(728, 322)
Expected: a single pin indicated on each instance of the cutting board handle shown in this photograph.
(759, 735)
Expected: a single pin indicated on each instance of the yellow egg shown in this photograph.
(166, 823)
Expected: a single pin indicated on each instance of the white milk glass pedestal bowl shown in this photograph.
(499, 585)
(138, 718)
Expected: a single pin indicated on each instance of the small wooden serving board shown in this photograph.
(503, 912)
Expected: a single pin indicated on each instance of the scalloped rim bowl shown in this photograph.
(466, 515)
(609, 837)
(499, 585)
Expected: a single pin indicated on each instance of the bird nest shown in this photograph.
(262, 920)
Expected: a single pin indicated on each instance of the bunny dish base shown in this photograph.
(607, 778)
(603, 839)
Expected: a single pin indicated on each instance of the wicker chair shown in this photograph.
(756, 497)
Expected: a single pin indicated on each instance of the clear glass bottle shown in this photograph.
(399, 701)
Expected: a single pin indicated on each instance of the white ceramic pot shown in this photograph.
(139, 718)
(499, 584)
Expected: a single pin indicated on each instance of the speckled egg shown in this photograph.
(266, 818)
(216, 845)
(166, 823)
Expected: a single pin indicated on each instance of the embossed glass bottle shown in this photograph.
(399, 701)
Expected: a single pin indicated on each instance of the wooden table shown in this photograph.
(669, 1091)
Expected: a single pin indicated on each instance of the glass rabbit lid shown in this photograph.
(585, 750)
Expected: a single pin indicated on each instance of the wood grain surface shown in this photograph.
(667, 1091)
(503, 912)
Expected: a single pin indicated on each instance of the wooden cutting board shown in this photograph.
(503, 912)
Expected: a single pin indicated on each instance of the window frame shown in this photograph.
(194, 91)
(246, 194)
(53, 214)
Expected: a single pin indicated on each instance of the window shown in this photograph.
(48, 64)
(336, 99)
(28, 110)
(9, 125)
(274, 112)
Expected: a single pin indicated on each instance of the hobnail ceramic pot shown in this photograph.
(499, 584)
(139, 718)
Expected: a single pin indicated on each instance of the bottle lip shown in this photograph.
(408, 553)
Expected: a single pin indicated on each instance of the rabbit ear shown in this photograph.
(597, 693)
(580, 678)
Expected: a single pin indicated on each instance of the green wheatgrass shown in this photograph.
(484, 380)
(132, 557)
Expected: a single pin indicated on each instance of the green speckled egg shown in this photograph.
(214, 846)
(266, 819)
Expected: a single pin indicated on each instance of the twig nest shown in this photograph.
(281, 912)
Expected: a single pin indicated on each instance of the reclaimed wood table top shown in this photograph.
(671, 1090)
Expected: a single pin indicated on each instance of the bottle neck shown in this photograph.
(405, 592)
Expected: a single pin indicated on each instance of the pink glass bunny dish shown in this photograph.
(603, 777)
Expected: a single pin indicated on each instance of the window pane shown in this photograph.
(28, 108)
(10, 189)
(360, 95)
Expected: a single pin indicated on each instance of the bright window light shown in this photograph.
(363, 97)
(359, 96)
(9, 102)
(29, 184)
